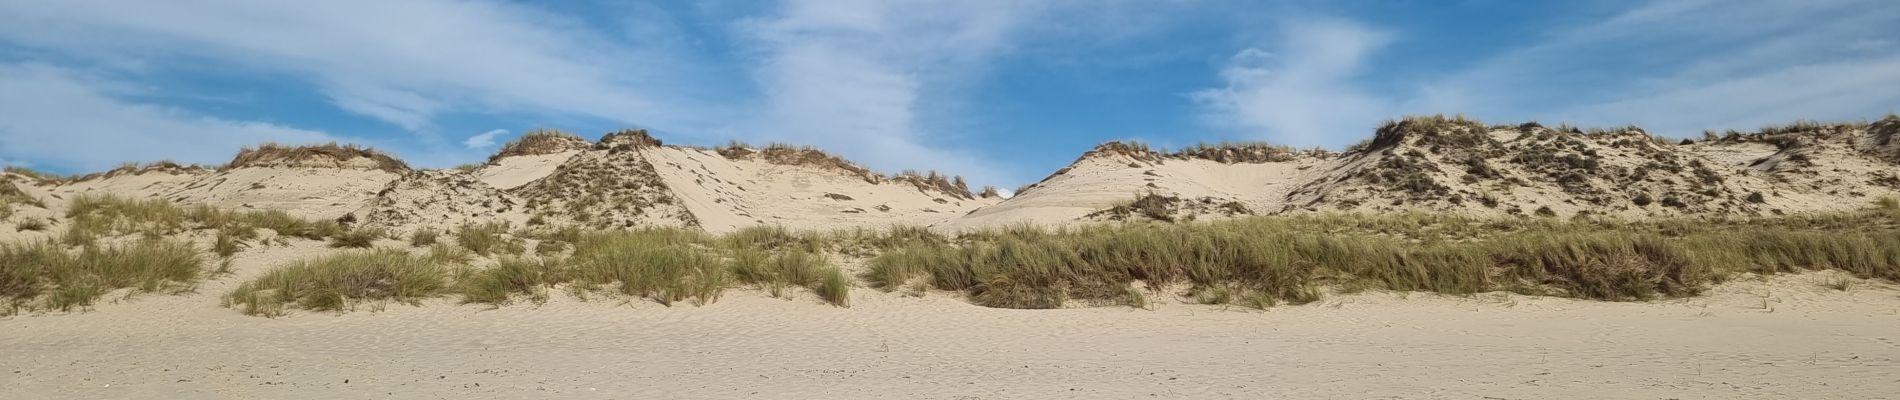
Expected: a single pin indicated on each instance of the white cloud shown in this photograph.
(1302, 92)
(483, 140)
(1678, 67)
(861, 78)
(1845, 90)
(68, 119)
(404, 62)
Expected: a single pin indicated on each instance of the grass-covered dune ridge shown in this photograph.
(1264, 261)
(114, 243)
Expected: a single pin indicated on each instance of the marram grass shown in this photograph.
(46, 275)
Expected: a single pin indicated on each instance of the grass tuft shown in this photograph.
(423, 237)
(489, 238)
(655, 264)
(46, 275)
(509, 275)
(341, 281)
(357, 238)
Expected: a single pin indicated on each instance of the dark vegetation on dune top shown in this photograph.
(325, 155)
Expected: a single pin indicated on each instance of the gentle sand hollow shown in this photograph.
(1783, 337)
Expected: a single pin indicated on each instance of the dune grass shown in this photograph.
(423, 237)
(1252, 262)
(360, 238)
(510, 275)
(95, 216)
(488, 239)
(1272, 260)
(341, 281)
(793, 268)
(659, 264)
(46, 275)
(11, 195)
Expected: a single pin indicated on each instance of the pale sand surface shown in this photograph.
(1786, 337)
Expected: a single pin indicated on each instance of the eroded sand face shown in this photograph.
(1786, 337)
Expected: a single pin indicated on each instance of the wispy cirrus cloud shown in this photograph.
(862, 77)
(403, 62)
(483, 140)
(1303, 90)
(1675, 67)
(1678, 67)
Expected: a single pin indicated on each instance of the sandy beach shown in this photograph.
(1783, 337)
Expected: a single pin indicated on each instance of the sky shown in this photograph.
(1002, 92)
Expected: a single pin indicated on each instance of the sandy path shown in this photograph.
(1807, 343)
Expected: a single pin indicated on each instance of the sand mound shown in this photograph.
(783, 154)
(612, 185)
(736, 186)
(1453, 164)
(1418, 164)
(135, 181)
(541, 142)
(1130, 181)
(314, 193)
(440, 199)
(513, 171)
(318, 156)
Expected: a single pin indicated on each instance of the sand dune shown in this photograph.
(1438, 164)
(1824, 334)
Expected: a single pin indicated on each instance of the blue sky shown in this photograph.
(1000, 91)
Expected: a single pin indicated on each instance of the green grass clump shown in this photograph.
(489, 238)
(423, 237)
(47, 275)
(11, 195)
(771, 237)
(225, 245)
(510, 275)
(357, 238)
(644, 264)
(833, 286)
(793, 268)
(893, 269)
(95, 216)
(340, 281)
(550, 248)
(34, 225)
(1264, 261)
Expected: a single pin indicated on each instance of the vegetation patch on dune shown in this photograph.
(330, 155)
(46, 275)
(342, 281)
(93, 217)
(539, 142)
(1264, 261)
(10, 195)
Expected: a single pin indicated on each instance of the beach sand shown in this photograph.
(1782, 337)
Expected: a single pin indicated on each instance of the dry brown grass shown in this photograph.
(541, 141)
(786, 154)
(134, 168)
(931, 181)
(325, 155)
